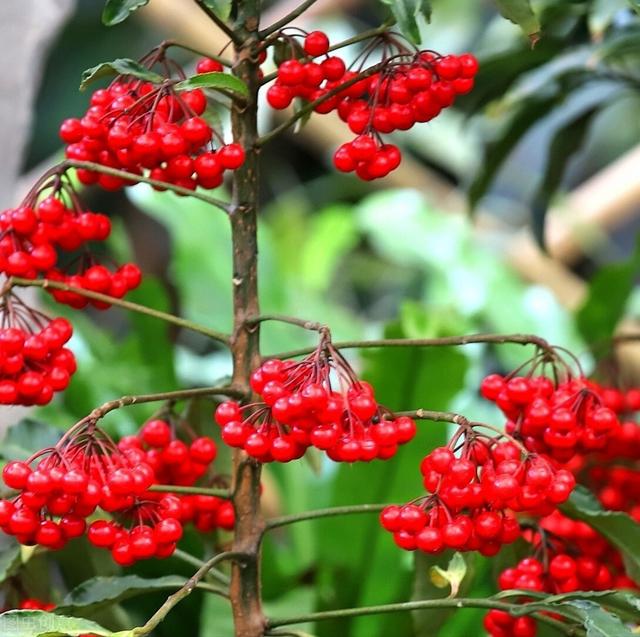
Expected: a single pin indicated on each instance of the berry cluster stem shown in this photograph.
(126, 305)
(519, 609)
(469, 339)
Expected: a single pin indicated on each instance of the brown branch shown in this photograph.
(126, 305)
(290, 17)
(445, 341)
(221, 24)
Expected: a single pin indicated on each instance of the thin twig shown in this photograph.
(291, 320)
(185, 591)
(180, 394)
(127, 305)
(221, 24)
(131, 177)
(497, 339)
(354, 509)
(290, 17)
(489, 603)
(214, 573)
(174, 488)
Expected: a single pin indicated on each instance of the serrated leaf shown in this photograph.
(528, 113)
(36, 623)
(406, 13)
(99, 591)
(607, 298)
(619, 528)
(121, 66)
(520, 12)
(214, 80)
(452, 576)
(566, 141)
(222, 8)
(116, 11)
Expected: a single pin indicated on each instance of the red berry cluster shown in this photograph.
(574, 558)
(407, 89)
(70, 482)
(559, 420)
(143, 128)
(172, 460)
(47, 223)
(35, 604)
(472, 495)
(176, 463)
(34, 364)
(316, 402)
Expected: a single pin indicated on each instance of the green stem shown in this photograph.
(172, 43)
(436, 416)
(354, 509)
(127, 176)
(180, 394)
(214, 573)
(291, 320)
(127, 305)
(173, 488)
(489, 603)
(185, 591)
(497, 339)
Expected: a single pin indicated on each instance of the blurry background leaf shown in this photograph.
(116, 11)
(619, 528)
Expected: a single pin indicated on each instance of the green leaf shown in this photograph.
(602, 14)
(116, 11)
(406, 13)
(215, 80)
(100, 591)
(452, 576)
(527, 114)
(27, 437)
(567, 141)
(599, 622)
(619, 528)
(36, 623)
(10, 556)
(520, 12)
(121, 66)
(222, 8)
(609, 292)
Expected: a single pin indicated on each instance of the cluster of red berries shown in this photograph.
(35, 604)
(86, 472)
(206, 512)
(558, 420)
(175, 462)
(471, 496)
(172, 460)
(34, 364)
(407, 89)
(316, 402)
(575, 558)
(143, 128)
(32, 235)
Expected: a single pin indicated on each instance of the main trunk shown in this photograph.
(245, 579)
